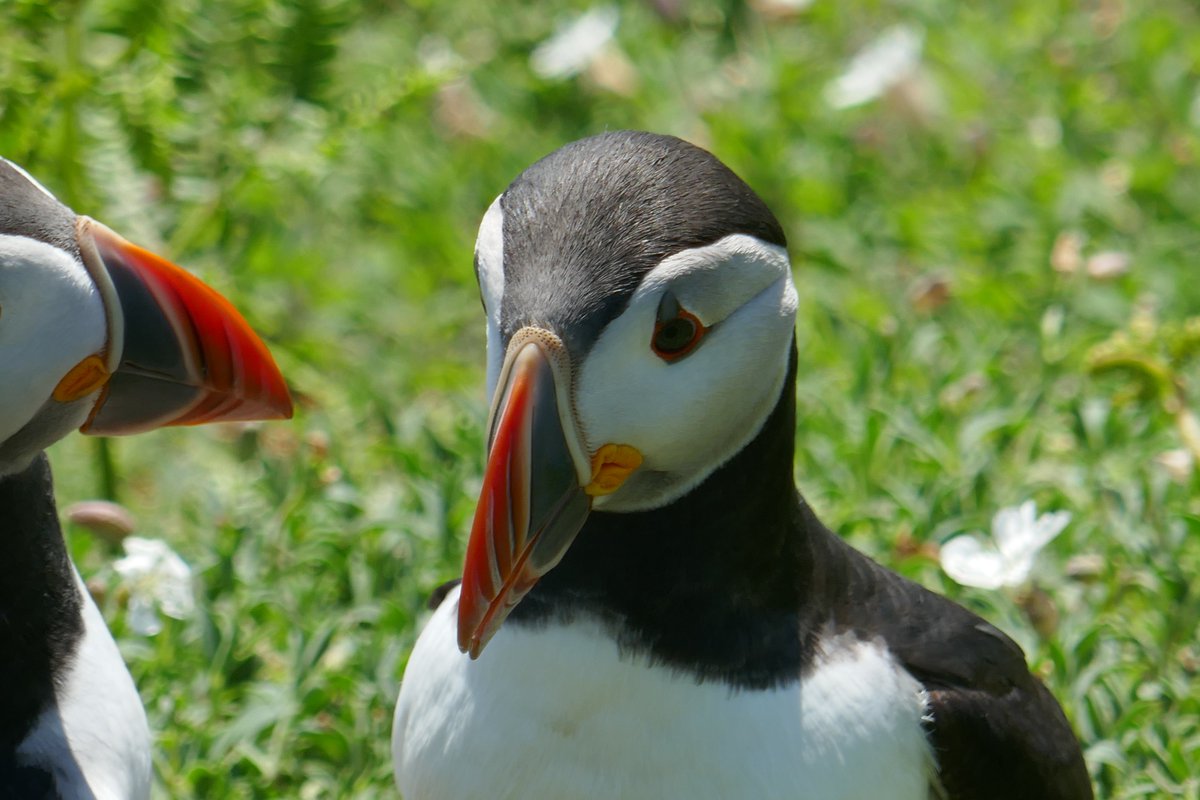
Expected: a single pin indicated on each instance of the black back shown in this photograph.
(26, 210)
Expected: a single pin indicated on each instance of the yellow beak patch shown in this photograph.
(611, 466)
(82, 379)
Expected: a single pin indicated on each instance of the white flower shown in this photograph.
(157, 579)
(574, 46)
(1018, 534)
(1178, 464)
(879, 66)
(1108, 265)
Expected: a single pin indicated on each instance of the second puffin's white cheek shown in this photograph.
(489, 264)
(687, 417)
(51, 318)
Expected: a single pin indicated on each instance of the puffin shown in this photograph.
(648, 608)
(99, 335)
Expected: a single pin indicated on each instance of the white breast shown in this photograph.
(95, 741)
(555, 712)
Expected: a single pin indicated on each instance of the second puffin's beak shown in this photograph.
(537, 487)
(178, 352)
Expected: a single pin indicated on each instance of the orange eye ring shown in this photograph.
(677, 336)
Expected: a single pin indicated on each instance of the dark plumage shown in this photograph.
(40, 606)
(25, 210)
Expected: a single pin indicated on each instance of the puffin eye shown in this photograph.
(676, 330)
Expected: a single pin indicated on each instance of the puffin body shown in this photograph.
(648, 607)
(96, 334)
(561, 712)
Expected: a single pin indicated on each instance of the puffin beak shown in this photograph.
(178, 353)
(537, 487)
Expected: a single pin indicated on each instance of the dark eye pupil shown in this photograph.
(675, 335)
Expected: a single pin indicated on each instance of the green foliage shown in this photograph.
(325, 162)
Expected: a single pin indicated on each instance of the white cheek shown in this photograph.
(495, 356)
(489, 255)
(688, 417)
(51, 318)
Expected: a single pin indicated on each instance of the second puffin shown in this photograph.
(648, 607)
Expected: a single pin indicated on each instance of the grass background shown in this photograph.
(324, 163)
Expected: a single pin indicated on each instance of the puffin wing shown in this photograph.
(995, 729)
(1004, 745)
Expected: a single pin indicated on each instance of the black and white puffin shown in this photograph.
(97, 334)
(663, 615)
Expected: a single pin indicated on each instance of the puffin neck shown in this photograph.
(714, 583)
(41, 622)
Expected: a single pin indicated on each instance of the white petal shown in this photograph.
(173, 568)
(175, 598)
(1015, 530)
(971, 563)
(1049, 526)
(152, 556)
(131, 567)
(142, 546)
(1016, 570)
(142, 617)
(883, 63)
(140, 557)
(572, 47)
(154, 574)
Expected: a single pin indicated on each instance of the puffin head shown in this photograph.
(640, 312)
(99, 334)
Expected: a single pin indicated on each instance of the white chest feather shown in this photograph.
(95, 741)
(556, 713)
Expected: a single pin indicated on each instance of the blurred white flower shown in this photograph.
(1018, 535)
(1108, 265)
(780, 8)
(437, 57)
(885, 62)
(1178, 464)
(573, 47)
(157, 580)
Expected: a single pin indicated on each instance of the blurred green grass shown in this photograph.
(324, 163)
